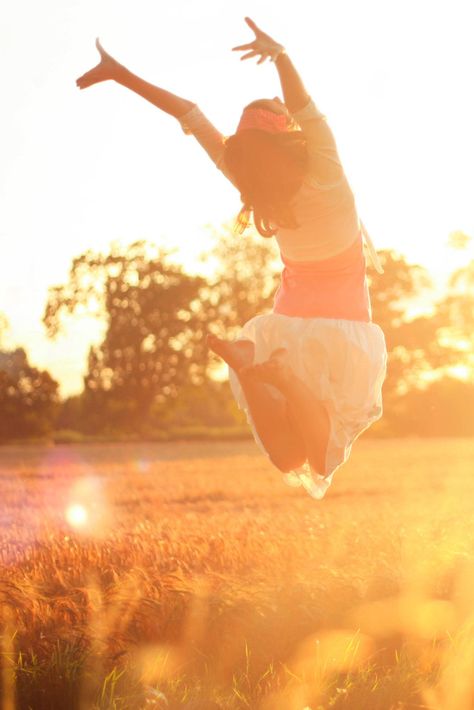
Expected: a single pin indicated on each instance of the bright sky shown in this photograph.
(82, 169)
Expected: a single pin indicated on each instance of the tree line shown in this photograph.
(152, 372)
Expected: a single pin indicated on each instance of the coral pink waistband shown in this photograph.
(329, 288)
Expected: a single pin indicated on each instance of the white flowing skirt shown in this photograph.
(344, 364)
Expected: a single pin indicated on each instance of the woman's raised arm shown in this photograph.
(324, 162)
(188, 114)
(109, 69)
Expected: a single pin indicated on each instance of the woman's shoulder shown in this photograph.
(324, 163)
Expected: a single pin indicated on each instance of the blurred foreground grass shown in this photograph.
(189, 576)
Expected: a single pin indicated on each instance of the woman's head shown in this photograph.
(274, 105)
(267, 158)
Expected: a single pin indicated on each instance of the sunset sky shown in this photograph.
(82, 169)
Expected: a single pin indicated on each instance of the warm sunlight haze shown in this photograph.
(237, 423)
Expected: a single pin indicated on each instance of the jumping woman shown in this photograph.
(308, 375)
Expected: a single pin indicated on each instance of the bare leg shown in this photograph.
(307, 413)
(282, 441)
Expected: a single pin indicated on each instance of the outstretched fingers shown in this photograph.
(243, 46)
(249, 45)
(252, 25)
(249, 55)
(263, 46)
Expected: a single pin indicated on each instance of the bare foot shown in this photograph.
(275, 371)
(238, 354)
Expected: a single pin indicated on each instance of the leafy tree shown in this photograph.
(156, 319)
(423, 347)
(28, 397)
(412, 343)
(71, 415)
(244, 281)
(209, 404)
(154, 331)
(455, 317)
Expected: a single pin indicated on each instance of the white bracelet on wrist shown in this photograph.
(274, 56)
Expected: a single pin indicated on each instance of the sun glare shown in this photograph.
(76, 515)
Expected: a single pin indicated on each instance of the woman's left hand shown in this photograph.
(108, 68)
(263, 45)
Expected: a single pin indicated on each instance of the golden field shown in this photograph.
(187, 575)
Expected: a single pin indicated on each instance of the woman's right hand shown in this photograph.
(108, 68)
(263, 46)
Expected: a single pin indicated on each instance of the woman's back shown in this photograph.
(324, 206)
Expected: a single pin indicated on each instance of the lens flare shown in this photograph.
(77, 515)
(86, 508)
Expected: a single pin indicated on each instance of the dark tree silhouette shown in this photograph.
(156, 318)
(154, 331)
(28, 397)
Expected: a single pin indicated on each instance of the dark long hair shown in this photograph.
(268, 169)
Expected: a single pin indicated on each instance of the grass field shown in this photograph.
(189, 576)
